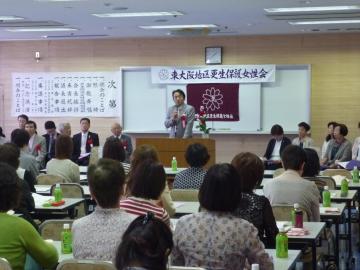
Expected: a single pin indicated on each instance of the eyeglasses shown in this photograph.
(149, 216)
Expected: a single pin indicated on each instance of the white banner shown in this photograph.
(213, 74)
(66, 94)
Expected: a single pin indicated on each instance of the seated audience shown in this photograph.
(339, 148)
(140, 154)
(303, 140)
(98, 235)
(37, 144)
(254, 208)
(146, 184)
(146, 244)
(17, 237)
(116, 130)
(83, 142)
(329, 136)
(22, 120)
(20, 138)
(113, 149)
(290, 188)
(356, 147)
(2, 137)
(65, 129)
(61, 165)
(214, 238)
(196, 156)
(50, 138)
(10, 154)
(275, 147)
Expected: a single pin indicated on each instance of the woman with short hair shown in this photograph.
(196, 156)
(147, 183)
(214, 238)
(61, 165)
(339, 148)
(17, 237)
(141, 153)
(254, 208)
(113, 149)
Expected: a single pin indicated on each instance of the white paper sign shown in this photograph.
(213, 74)
(66, 94)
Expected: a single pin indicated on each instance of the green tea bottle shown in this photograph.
(281, 244)
(326, 197)
(66, 240)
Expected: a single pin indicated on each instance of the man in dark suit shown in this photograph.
(116, 130)
(275, 147)
(83, 142)
(50, 138)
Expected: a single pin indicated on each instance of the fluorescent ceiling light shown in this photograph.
(60, 0)
(137, 14)
(324, 22)
(311, 9)
(43, 29)
(178, 26)
(10, 18)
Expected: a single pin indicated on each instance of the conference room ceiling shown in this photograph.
(228, 17)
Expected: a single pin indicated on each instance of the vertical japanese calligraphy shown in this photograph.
(66, 94)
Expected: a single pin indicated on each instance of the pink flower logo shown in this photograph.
(212, 99)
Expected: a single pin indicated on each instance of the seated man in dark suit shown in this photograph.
(116, 130)
(83, 142)
(50, 138)
(275, 147)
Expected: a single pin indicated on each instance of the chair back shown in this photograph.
(4, 264)
(185, 195)
(330, 182)
(48, 179)
(52, 228)
(72, 264)
(73, 190)
(320, 183)
(282, 212)
(333, 172)
(278, 172)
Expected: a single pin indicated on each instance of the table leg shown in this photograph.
(337, 242)
(349, 230)
(313, 252)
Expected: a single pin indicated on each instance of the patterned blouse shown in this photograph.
(97, 236)
(190, 178)
(257, 210)
(215, 240)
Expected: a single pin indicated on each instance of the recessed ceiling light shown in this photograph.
(178, 26)
(311, 9)
(42, 29)
(324, 22)
(137, 14)
(10, 18)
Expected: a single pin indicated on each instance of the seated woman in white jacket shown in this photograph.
(61, 165)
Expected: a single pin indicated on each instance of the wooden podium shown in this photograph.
(170, 147)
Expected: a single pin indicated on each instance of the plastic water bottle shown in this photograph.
(298, 214)
(66, 240)
(174, 164)
(355, 175)
(281, 244)
(58, 193)
(344, 187)
(326, 197)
